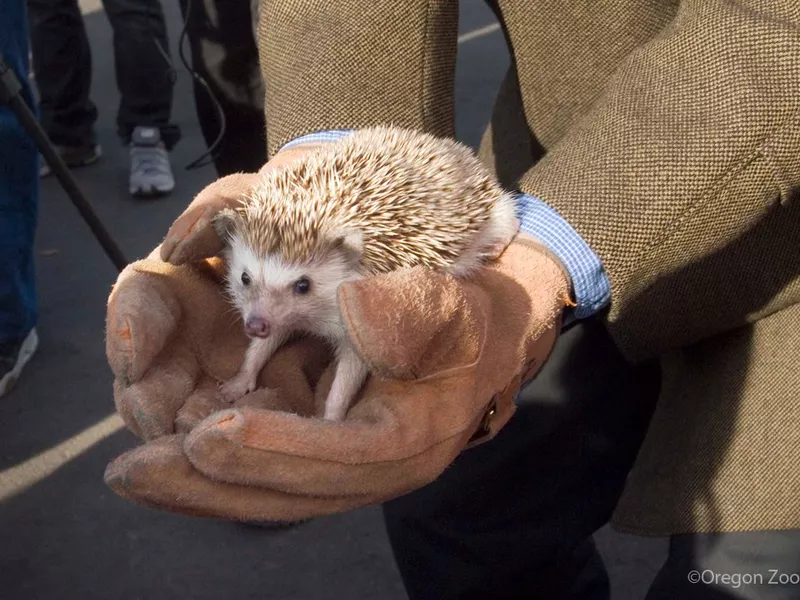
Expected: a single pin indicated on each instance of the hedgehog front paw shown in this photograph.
(235, 388)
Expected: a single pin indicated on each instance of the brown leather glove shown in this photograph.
(447, 357)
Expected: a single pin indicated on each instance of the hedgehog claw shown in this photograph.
(235, 388)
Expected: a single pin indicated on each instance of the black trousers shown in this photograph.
(513, 519)
(225, 55)
(63, 69)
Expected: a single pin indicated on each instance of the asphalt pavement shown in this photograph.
(63, 534)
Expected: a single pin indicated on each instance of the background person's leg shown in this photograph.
(512, 518)
(143, 67)
(19, 196)
(145, 78)
(62, 65)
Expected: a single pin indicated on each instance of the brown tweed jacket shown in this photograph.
(671, 140)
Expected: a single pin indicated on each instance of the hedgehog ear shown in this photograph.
(225, 224)
(350, 242)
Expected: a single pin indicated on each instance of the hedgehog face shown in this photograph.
(273, 294)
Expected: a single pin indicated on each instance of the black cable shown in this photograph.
(210, 153)
(10, 89)
(172, 75)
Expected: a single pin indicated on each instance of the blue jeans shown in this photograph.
(19, 189)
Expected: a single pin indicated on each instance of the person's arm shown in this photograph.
(353, 64)
(691, 143)
(682, 171)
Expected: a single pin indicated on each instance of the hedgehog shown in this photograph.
(378, 200)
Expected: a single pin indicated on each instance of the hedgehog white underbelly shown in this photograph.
(378, 200)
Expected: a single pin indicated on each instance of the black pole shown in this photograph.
(10, 88)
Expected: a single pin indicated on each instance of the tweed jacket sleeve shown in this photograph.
(350, 64)
(680, 176)
(692, 146)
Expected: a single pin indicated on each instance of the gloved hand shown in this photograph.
(447, 358)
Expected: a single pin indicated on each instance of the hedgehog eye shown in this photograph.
(245, 278)
(302, 286)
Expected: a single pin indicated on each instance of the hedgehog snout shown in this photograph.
(256, 327)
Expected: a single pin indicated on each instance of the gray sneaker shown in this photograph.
(151, 172)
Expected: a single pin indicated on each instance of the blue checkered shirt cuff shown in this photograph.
(591, 288)
(318, 136)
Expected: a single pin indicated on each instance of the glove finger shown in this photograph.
(413, 323)
(149, 406)
(398, 440)
(192, 237)
(142, 316)
(204, 401)
(158, 475)
(125, 409)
